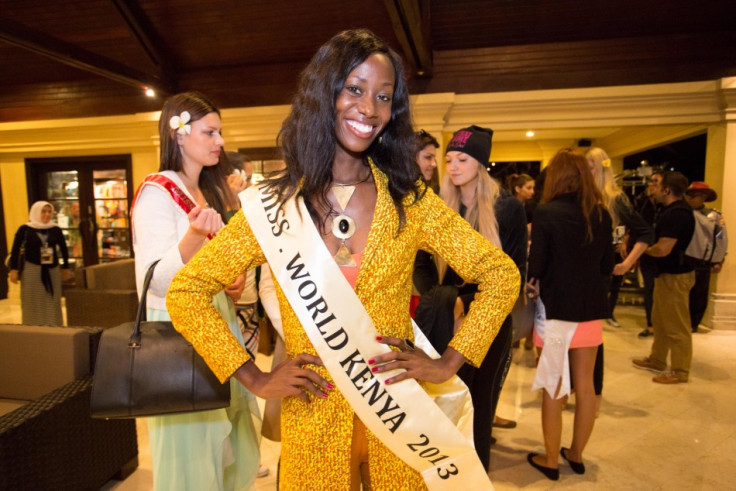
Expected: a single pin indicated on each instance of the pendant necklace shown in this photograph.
(343, 226)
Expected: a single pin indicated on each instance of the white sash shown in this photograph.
(553, 369)
(402, 416)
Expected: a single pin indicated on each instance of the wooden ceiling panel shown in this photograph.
(95, 27)
(628, 61)
(250, 53)
(98, 97)
(257, 32)
(491, 23)
(20, 66)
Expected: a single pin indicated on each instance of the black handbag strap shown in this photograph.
(135, 338)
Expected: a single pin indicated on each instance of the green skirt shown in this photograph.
(208, 450)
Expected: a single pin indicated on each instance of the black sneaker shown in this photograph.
(645, 333)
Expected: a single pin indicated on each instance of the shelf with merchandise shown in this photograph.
(110, 189)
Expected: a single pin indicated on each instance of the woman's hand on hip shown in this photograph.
(416, 363)
(235, 290)
(289, 378)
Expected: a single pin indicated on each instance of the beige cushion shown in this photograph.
(35, 360)
(7, 405)
(117, 275)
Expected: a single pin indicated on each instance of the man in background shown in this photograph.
(696, 195)
(649, 209)
(675, 277)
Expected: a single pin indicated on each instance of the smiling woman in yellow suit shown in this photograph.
(347, 144)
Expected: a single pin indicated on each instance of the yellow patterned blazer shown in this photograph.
(316, 436)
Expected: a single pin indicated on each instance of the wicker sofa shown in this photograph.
(47, 438)
(104, 295)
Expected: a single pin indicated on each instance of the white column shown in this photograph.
(723, 300)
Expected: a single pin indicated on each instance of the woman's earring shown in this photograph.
(380, 139)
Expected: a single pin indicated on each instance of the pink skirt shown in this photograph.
(587, 334)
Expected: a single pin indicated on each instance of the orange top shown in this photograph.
(351, 272)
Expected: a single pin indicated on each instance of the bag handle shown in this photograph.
(135, 338)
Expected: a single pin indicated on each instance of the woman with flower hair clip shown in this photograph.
(175, 212)
(340, 228)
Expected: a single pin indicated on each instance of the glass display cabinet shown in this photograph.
(91, 198)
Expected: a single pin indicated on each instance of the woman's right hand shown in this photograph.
(13, 277)
(289, 378)
(204, 221)
(531, 290)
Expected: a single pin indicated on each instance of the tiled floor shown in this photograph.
(648, 436)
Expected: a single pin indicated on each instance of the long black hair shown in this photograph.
(307, 137)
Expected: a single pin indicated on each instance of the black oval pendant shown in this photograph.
(344, 226)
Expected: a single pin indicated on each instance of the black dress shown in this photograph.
(435, 316)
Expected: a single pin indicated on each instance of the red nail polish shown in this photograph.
(388, 381)
(330, 386)
(324, 395)
(374, 369)
(371, 362)
(379, 338)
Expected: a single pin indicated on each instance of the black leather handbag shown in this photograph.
(148, 369)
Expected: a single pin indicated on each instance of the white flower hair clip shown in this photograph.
(179, 123)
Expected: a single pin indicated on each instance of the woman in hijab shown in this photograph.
(34, 261)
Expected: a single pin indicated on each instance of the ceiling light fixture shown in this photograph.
(150, 92)
(529, 134)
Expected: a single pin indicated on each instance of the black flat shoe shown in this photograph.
(577, 467)
(549, 472)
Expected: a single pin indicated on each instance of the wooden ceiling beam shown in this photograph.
(410, 22)
(69, 54)
(147, 36)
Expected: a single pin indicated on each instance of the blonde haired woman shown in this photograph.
(468, 189)
(626, 222)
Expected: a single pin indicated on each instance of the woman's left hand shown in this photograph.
(236, 182)
(235, 290)
(417, 363)
(621, 269)
(13, 276)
